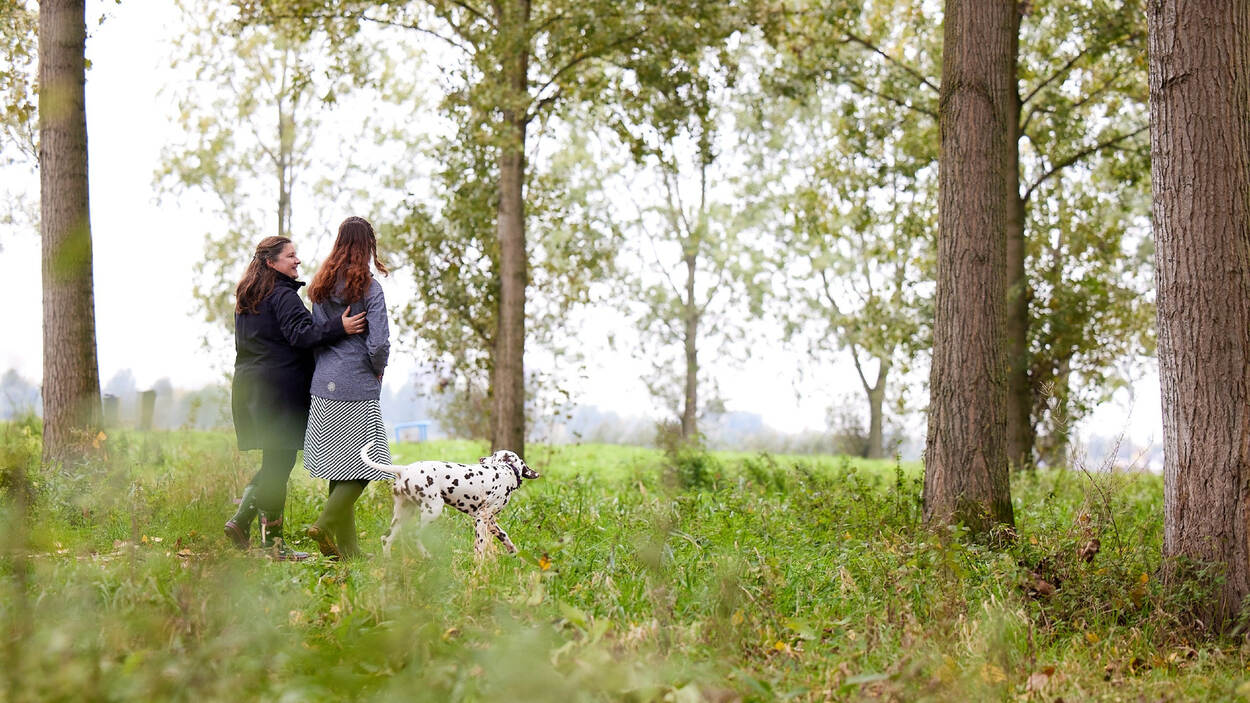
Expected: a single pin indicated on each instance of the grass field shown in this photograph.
(642, 576)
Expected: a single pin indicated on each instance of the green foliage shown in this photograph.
(781, 577)
(19, 122)
(19, 48)
(868, 75)
(512, 67)
(687, 463)
(261, 150)
(860, 225)
(450, 244)
(694, 246)
(1085, 177)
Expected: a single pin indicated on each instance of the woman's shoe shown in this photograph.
(325, 542)
(271, 538)
(238, 528)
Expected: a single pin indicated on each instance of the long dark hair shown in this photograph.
(349, 261)
(259, 278)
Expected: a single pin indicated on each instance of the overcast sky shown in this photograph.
(147, 321)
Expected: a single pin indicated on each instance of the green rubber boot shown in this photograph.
(271, 538)
(349, 544)
(335, 529)
(238, 528)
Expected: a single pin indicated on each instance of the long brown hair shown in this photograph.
(259, 278)
(348, 262)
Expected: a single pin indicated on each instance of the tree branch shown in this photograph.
(573, 63)
(859, 369)
(897, 101)
(1073, 158)
(475, 12)
(418, 28)
(1063, 70)
(908, 69)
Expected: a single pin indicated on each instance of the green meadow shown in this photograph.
(642, 576)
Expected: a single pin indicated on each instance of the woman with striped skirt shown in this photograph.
(346, 386)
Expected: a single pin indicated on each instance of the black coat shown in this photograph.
(273, 367)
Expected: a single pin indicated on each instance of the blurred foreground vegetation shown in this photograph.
(643, 575)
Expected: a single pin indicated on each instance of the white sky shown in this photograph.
(147, 321)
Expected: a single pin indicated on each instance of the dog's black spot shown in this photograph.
(429, 480)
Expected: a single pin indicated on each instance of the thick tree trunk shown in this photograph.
(71, 379)
(966, 477)
(690, 411)
(1200, 148)
(508, 383)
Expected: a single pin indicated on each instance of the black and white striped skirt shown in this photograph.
(337, 429)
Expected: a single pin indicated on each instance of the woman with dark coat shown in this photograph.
(274, 335)
(347, 386)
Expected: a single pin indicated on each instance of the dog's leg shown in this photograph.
(403, 510)
(431, 508)
(482, 542)
(502, 536)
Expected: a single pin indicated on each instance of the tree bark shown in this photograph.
(1200, 149)
(966, 477)
(508, 384)
(876, 403)
(1020, 428)
(690, 411)
(71, 379)
(876, 413)
(1021, 432)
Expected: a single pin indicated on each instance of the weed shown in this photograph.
(737, 577)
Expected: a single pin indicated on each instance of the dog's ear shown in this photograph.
(482, 461)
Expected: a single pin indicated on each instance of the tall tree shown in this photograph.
(448, 239)
(966, 477)
(859, 242)
(697, 271)
(1072, 311)
(1200, 148)
(1079, 297)
(521, 58)
(71, 379)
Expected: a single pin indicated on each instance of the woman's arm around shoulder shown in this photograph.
(297, 323)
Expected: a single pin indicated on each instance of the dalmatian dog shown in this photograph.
(480, 490)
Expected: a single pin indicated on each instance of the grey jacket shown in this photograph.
(349, 369)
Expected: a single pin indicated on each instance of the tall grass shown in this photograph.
(641, 577)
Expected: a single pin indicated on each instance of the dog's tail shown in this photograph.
(364, 456)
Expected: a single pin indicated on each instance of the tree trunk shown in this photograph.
(1021, 433)
(690, 412)
(876, 415)
(1200, 149)
(286, 147)
(71, 377)
(508, 383)
(966, 477)
(1020, 428)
